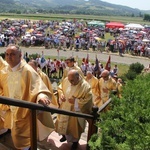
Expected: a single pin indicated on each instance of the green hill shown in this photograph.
(88, 7)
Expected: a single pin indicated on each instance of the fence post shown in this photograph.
(92, 124)
(33, 131)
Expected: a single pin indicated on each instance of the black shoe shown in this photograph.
(74, 146)
(63, 139)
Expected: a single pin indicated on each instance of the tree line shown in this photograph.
(146, 17)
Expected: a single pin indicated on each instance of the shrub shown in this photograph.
(134, 70)
(34, 56)
(127, 125)
(130, 75)
(136, 67)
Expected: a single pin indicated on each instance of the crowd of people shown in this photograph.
(78, 91)
(135, 42)
(75, 35)
(52, 34)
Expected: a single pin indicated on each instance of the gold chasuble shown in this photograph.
(24, 84)
(3, 107)
(47, 82)
(106, 87)
(69, 125)
(94, 83)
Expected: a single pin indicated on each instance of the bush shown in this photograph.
(130, 75)
(134, 70)
(34, 56)
(127, 125)
(136, 67)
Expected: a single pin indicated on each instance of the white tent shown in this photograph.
(134, 26)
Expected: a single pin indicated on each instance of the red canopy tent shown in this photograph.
(113, 25)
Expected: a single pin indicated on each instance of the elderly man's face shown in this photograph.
(12, 56)
(105, 75)
(74, 80)
(89, 76)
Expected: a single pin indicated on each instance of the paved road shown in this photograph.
(127, 59)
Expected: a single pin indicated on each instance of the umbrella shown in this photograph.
(38, 34)
(61, 37)
(40, 29)
(120, 29)
(146, 40)
(16, 24)
(97, 38)
(24, 26)
(31, 30)
(65, 30)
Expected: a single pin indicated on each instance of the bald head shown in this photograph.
(89, 75)
(33, 64)
(105, 74)
(119, 80)
(73, 77)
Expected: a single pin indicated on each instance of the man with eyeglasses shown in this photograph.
(20, 81)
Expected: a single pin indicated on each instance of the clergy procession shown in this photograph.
(79, 89)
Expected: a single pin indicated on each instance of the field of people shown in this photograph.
(76, 33)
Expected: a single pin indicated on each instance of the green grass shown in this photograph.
(122, 19)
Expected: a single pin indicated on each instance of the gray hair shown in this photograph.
(17, 47)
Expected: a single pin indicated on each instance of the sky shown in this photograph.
(140, 4)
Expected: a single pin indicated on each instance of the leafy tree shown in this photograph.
(146, 17)
(127, 125)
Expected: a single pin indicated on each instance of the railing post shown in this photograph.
(92, 124)
(33, 131)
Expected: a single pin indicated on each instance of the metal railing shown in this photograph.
(33, 107)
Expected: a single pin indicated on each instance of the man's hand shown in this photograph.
(105, 90)
(44, 101)
(62, 98)
(72, 100)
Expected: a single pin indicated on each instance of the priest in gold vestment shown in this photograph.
(20, 81)
(107, 84)
(3, 64)
(94, 83)
(75, 95)
(45, 79)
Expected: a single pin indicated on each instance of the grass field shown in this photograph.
(73, 16)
